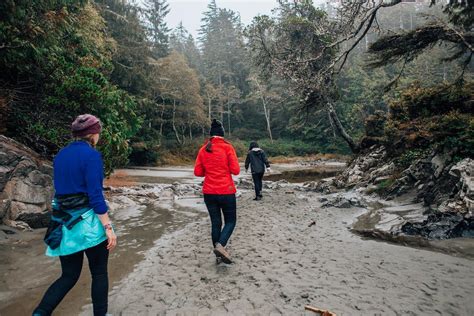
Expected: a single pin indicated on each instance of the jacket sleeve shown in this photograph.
(94, 173)
(198, 166)
(247, 162)
(265, 160)
(234, 166)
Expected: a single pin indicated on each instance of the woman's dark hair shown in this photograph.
(253, 145)
(209, 146)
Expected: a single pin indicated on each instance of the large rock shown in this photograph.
(464, 170)
(439, 162)
(445, 188)
(356, 174)
(25, 186)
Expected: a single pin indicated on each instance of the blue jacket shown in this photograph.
(88, 233)
(78, 168)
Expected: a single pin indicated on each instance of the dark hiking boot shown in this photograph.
(220, 251)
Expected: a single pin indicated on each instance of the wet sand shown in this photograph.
(25, 272)
(282, 263)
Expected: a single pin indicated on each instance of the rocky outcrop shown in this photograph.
(25, 186)
(464, 170)
(365, 169)
(444, 187)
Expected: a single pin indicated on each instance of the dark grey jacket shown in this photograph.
(257, 160)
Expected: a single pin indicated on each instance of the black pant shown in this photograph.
(225, 203)
(257, 181)
(71, 270)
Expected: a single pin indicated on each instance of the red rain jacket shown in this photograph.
(217, 167)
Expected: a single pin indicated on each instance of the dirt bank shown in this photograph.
(283, 263)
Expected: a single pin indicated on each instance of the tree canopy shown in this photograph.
(301, 78)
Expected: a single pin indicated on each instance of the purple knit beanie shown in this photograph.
(85, 124)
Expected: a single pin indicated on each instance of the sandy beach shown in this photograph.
(289, 250)
(283, 263)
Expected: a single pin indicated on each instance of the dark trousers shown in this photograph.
(257, 181)
(71, 270)
(218, 205)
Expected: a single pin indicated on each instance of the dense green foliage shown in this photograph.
(431, 118)
(156, 89)
(55, 64)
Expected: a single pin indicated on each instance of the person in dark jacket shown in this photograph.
(258, 162)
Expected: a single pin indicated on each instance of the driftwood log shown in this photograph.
(321, 312)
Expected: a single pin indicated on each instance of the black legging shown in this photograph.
(218, 205)
(257, 181)
(71, 270)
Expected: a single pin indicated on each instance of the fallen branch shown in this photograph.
(322, 312)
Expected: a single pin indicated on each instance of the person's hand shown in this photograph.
(111, 237)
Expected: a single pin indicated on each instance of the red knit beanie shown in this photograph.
(86, 124)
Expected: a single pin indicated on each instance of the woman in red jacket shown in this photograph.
(217, 162)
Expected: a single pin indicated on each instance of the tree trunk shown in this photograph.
(267, 118)
(209, 104)
(228, 116)
(161, 122)
(341, 130)
(174, 125)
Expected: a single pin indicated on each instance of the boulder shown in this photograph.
(464, 170)
(385, 170)
(26, 186)
(438, 163)
(22, 190)
(343, 201)
(363, 168)
(419, 170)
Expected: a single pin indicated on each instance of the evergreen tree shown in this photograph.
(157, 29)
(224, 62)
(130, 59)
(183, 42)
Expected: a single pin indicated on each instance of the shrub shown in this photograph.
(416, 101)
(454, 132)
(143, 154)
(410, 156)
(289, 148)
(384, 185)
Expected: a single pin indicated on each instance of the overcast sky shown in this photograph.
(190, 11)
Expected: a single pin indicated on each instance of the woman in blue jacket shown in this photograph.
(80, 222)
